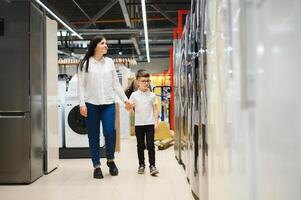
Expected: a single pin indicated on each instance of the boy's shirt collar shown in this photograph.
(146, 92)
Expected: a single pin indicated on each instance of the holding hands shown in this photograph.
(129, 105)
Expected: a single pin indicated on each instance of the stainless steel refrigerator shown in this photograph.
(21, 90)
(177, 136)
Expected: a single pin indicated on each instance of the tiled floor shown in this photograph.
(73, 180)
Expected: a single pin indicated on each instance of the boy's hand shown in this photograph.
(129, 105)
(156, 127)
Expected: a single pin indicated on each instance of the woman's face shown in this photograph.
(102, 47)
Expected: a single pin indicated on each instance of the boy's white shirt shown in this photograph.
(144, 102)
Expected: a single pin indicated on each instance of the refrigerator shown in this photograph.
(50, 88)
(177, 136)
(21, 87)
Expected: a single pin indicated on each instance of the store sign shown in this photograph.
(1, 27)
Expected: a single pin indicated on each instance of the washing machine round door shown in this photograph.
(77, 122)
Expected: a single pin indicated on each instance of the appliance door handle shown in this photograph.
(10, 115)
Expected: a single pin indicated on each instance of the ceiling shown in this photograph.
(120, 21)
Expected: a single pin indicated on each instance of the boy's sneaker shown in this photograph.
(113, 168)
(153, 170)
(141, 169)
(97, 173)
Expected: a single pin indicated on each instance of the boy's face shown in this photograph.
(143, 83)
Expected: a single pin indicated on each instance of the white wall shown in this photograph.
(157, 65)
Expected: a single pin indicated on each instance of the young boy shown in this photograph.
(146, 120)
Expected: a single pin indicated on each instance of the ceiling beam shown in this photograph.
(57, 13)
(167, 16)
(157, 33)
(128, 23)
(160, 2)
(100, 13)
(110, 31)
(77, 5)
(122, 41)
(124, 31)
(135, 43)
(83, 22)
(125, 13)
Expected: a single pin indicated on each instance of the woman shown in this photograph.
(97, 86)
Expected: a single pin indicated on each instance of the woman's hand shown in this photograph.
(129, 105)
(83, 111)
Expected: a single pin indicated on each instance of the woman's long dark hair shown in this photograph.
(91, 49)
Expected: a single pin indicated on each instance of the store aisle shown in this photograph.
(73, 180)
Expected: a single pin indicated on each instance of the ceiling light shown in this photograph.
(145, 29)
(59, 19)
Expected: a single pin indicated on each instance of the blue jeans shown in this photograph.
(105, 114)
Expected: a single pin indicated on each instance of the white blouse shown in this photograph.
(100, 84)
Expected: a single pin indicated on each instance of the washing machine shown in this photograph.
(76, 128)
(62, 80)
(61, 123)
(76, 133)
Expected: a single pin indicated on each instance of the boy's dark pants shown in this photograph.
(142, 132)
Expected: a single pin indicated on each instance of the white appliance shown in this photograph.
(61, 123)
(124, 119)
(51, 156)
(75, 124)
(61, 109)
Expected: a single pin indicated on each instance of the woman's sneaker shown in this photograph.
(153, 170)
(141, 169)
(97, 173)
(113, 168)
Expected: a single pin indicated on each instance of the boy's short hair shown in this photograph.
(142, 73)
